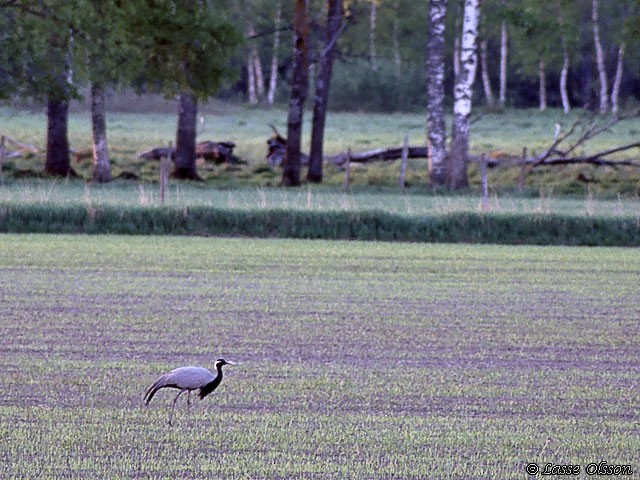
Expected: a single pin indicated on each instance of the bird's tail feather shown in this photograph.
(151, 391)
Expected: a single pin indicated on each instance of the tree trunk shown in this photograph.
(456, 57)
(185, 167)
(373, 14)
(615, 91)
(543, 85)
(600, 59)
(503, 64)
(291, 166)
(397, 59)
(57, 161)
(321, 99)
(259, 76)
(101, 166)
(484, 69)
(566, 106)
(251, 81)
(463, 91)
(251, 75)
(274, 58)
(436, 130)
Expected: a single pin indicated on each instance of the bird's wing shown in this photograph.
(189, 377)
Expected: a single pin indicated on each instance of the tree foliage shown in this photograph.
(187, 45)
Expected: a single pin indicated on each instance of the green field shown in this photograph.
(308, 198)
(133, 132)
(356, 359)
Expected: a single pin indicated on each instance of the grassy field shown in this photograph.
(131, 133)
(309, 198)
(356, 360)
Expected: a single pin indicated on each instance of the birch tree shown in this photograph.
(397, 58)
(484, 72)
(462, 93)
(436, 133)
(615, 90)
(251, 73)
(273, 77)
(255, 77)
(495, 16)
(373, 15)
(502, 95)
(291, 164)
(600, 58)
(568, 32)
(564, 73)
(542, 84)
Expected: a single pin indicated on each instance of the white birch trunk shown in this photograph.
(543, 84)
(462, 95)
(564, 95)
(271, 94)
(259, 76)
(484, 69)
(397, 59)
(436, 129)
(251, 72)
(600, 58)
(615, 91)
(503, 64)
(373, 56)
(251, 81)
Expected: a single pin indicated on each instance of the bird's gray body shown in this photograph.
(187, 379)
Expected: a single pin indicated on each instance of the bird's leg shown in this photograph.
(188, 399)
(173, 406)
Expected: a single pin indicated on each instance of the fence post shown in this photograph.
(403, 164)
(165, 162)
(523, 169)
(347, 170)
(485, 183)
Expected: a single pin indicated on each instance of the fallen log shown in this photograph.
(218, 152)
(277, 148)
(22, 148)
(393, 153)
(157, 153)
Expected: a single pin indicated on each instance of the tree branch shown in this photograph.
(592, 129)
(265, 33)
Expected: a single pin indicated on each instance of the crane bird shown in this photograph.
(187, 379)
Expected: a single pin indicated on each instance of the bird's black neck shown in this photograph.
(212, 385)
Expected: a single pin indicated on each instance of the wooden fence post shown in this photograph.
(403, 164)
(347, 170)
(523, 169)
(485, 183)
(165, 162)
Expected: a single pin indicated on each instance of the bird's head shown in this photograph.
(221, 361)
